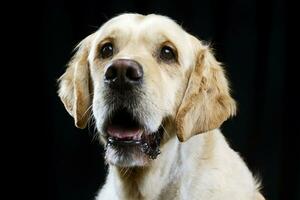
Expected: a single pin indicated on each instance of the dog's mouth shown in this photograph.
(123, 127)
(123, 130)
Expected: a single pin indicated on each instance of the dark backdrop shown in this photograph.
(250, 38)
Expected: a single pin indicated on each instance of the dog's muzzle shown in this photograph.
(124, 127)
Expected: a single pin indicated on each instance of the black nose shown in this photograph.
(124, 71)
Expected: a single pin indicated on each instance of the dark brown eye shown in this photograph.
(167, 54)
(107, 50)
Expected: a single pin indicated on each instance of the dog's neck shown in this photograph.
(134, 183)
(143, 182)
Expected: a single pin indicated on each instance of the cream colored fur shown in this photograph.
(189, 97)
(203, 168)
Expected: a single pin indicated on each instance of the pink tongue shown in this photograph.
(121, 133)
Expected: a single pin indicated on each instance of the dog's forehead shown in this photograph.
(142, 26)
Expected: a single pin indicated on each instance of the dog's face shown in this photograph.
(144, 78)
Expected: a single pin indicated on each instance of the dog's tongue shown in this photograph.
(125, 133)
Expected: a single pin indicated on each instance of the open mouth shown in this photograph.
(122, 127)
(124, 130)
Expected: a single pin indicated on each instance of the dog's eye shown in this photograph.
(167, 54)
(107, 50)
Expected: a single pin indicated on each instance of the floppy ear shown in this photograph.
(207, 102)
(74, 85)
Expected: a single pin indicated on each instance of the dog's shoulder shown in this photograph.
(214, 168)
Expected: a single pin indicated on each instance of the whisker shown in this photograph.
(92, 124)
(165, 130)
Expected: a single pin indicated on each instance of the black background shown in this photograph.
(249, 37)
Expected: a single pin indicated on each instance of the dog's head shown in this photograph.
(143, 78)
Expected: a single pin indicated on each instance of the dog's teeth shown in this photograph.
(145, 145)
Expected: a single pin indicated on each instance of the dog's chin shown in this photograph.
(126, 156)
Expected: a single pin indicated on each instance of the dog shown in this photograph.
(158, 97)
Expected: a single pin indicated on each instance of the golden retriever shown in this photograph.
(158, 96)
